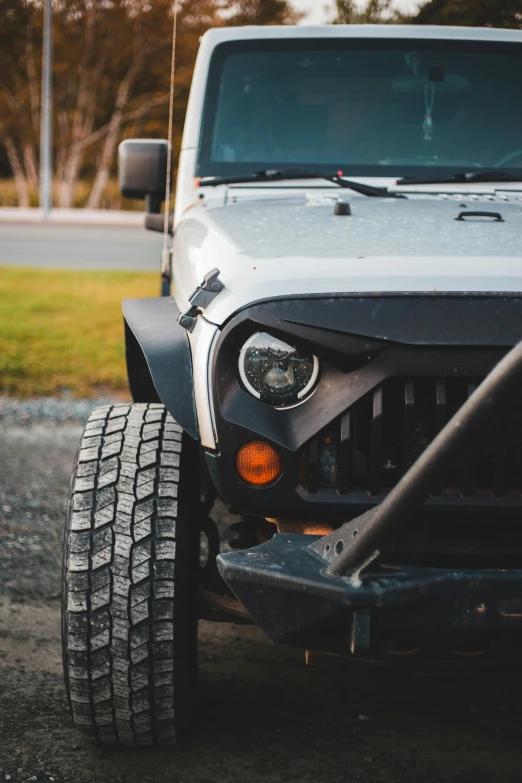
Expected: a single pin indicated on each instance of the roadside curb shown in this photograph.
(108, 217)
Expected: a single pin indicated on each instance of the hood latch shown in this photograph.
(200, 299)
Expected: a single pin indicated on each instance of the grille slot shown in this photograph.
(374, 443)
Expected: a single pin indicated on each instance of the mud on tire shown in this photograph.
(129, 626)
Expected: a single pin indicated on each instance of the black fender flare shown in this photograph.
(159, 361)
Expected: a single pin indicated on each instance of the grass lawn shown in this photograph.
(62, 331)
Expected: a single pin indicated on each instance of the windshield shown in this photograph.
(368, 108)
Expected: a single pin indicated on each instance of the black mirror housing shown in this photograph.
(142, 170)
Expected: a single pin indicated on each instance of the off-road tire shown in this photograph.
(130, 561)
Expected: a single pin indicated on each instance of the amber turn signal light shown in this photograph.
(258, 463)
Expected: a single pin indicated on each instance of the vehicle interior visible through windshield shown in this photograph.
(374, 108)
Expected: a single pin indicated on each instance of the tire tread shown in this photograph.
(119, 608)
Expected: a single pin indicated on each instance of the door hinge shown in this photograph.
(201, 298)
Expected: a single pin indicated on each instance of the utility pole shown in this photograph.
(46, 164)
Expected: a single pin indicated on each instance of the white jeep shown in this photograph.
(338, 363)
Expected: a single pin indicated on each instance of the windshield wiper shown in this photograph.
(465, 177)
(274, 175)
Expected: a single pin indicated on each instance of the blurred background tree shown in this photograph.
(370, 12)
(20, 58)
(261, 12)
(111, 75)
(471, 13)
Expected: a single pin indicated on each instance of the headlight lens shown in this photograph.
(275, 372)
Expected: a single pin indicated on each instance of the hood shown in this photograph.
(297, 246)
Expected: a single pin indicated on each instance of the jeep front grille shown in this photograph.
(375, 442)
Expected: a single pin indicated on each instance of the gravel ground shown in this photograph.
(264, 715)
(47, 409)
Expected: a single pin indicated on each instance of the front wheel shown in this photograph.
(130, 566)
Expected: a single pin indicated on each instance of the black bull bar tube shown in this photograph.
(291, 587)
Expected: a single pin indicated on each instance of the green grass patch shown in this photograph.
(62, 331)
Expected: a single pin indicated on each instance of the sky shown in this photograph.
(319, 10)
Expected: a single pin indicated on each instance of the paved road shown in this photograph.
(264, 716)
(80, 247)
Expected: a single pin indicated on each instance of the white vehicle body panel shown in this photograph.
(202, 341)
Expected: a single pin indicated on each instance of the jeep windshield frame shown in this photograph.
(372, 107)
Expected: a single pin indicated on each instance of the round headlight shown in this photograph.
(275, 372)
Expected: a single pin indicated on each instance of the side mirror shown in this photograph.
(142, 171)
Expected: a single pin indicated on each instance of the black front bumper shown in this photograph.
(388, 613)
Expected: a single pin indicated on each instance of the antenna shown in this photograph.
(46, 166)
(166, 271)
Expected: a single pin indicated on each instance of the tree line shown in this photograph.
(467, 13)
(111, 73)
(111, 70)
